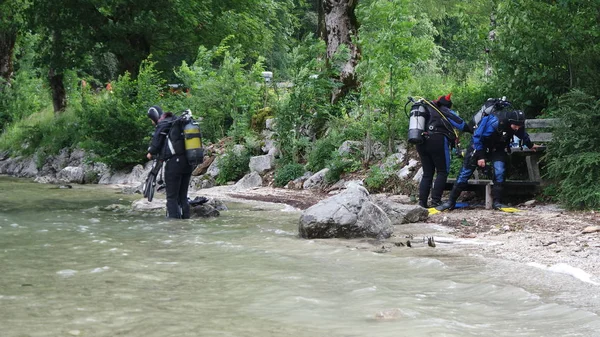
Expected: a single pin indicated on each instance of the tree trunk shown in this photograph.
(138, 51)
(321, 34)
(59, 96)
(7, 45)
(341, 26)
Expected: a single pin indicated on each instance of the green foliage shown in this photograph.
(322, 151)
(22, 98)
(388, 59)
(233, 165)
(375, 179)
(114, 126)
(259, 119)
(41, 134)
(287, 173)
(339, 165)
(462, 35)
(259, 28)
(546, 48)
(253, 143)
(12, 14)
(26, 93)
(574, 155)
(456, 164)
(225, 96)
(303, 112)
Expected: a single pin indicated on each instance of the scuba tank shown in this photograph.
(193, 142)
(492, 105)
(416, 123)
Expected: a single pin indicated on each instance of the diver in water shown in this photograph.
(178, 171)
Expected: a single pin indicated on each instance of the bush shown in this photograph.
(375, 179)
(115, 127)
(287, 173)
(304, 109)
(340, 165)
(573, 154)
(224, 91)
(259, 119)
(233, 165)
(26, 93)
(42, 134)
(322, 152)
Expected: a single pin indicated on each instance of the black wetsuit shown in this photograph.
(178, 171)
(435, 152)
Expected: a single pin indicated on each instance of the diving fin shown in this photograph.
(433, 211)
(509, 209)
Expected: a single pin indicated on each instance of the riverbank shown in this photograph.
(541, 235)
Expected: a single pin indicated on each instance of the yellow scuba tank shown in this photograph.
(193, 142)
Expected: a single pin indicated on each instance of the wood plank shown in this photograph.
(533, 167)
(541, 123)
(521, 183)
(488, 197)
(526, 151)
(483, 182)
(542, 137)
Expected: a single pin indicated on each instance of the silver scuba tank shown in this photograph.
(416, 123)
(488, 108)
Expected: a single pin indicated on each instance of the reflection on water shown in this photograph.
(69, 268)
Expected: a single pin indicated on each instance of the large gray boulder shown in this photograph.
(261, 164)
(400, 213)
(19, 167)
(136, 177)
(350, 214)
(250, 180)
(71, 174)
(316, 180)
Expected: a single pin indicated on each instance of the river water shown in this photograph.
(70, 267)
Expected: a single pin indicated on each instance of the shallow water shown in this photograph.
(69, 268)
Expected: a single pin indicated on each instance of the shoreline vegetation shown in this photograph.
(310, 99)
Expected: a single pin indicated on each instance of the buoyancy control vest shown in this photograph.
(185, 137)
(503, 134)
(437, 123)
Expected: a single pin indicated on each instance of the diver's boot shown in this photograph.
(423, 204)
(497, 196)
(435, 203)
(451, 203)
(497, 205)
(448, 205)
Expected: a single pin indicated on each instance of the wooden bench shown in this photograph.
(532, 159)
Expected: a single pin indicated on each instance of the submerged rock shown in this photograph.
(204, 211)
(210, 208)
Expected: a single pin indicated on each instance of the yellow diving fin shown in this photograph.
(507, 209)
(433, 211)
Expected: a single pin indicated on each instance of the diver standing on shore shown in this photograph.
(438, 137)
